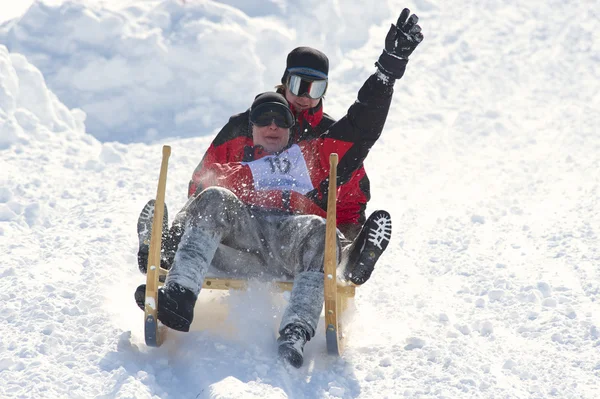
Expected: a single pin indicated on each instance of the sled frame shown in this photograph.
(151, 330)
(337, 294)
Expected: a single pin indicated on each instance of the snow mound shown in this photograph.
(170, 68)
(43, 148)
(28, 109)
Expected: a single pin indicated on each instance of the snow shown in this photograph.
(140, 68)
(488, 164)
(150, 302)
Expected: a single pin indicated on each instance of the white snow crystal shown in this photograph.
(150, 302)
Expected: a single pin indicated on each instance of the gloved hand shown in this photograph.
(401, 40)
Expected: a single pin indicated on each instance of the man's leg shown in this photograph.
(144, 230)
(170, 236)
(175, 234)
(239, 254)
(215, 214)
(303, 246)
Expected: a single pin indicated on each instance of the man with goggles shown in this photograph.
(304, 83)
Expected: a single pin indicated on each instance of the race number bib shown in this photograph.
(285, 171)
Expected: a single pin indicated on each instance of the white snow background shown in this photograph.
(489, 165)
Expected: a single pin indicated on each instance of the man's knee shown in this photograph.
(212, 199)
(314, 244)
(313, 227)
(212, 205)
(216, 195)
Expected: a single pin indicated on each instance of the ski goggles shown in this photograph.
(266, 113)
(307, 81)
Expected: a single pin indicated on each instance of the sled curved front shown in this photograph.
(333, 308)
(151, 330)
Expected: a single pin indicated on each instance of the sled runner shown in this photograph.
(337, 293)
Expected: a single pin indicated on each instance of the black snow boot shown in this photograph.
(368, 247)
(170, 245)
(144, 229)
(175, 305)
(140, 296)
(291, 344)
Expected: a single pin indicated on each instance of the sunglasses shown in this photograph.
(301, 85)
(266, 113)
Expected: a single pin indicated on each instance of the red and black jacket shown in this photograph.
(357, 130)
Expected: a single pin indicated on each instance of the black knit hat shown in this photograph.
(269, 97)
(307, 61)
(271, 106)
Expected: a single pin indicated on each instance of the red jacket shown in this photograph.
(355, 133)
(289, 180)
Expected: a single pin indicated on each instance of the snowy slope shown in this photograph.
(489, 165)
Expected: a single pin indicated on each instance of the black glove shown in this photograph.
(401, 40)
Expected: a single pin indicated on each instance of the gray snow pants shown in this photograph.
(250, 241)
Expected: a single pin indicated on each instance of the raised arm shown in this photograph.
(364, 122)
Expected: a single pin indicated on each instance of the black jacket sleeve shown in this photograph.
(363, 123)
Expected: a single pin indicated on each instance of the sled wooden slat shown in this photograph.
(219, 283)
(227, 283)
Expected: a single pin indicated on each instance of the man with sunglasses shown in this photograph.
(261, 210)
(304, 83)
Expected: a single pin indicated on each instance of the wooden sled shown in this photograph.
(337, 294)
